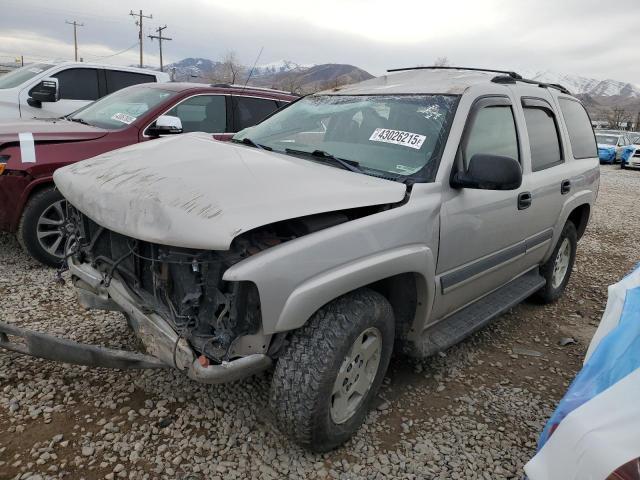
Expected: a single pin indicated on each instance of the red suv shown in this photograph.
(30, 151)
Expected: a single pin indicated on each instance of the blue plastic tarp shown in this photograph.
(617, 355)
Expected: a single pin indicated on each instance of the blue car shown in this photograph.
(614, 148)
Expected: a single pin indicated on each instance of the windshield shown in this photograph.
(607, 139)
(122, 107)
(21, 75)
(397, 134)
(635, 138)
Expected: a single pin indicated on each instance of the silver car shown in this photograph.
(398, 214)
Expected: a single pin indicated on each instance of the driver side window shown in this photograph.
(202, 113)
(493, 133)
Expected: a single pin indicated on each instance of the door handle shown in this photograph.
(565, 187)
(524, 200)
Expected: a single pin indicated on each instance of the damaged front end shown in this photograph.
(174, 299)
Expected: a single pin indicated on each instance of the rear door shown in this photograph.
(250, 110)
(119, 79)
(547, 177)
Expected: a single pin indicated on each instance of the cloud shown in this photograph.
(574, 36)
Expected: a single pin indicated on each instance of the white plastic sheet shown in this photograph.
(597, 423)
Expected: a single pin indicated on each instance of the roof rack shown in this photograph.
(504, 77)
(513, 75)
(250, 87)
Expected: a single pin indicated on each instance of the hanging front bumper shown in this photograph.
(164, 347)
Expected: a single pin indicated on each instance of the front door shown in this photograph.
(78, 87)
(482, 231)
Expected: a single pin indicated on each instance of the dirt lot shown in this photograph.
(474, 412)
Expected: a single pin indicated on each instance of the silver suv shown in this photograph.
(399, 214)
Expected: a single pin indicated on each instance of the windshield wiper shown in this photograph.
(351, 165)
(251, 143)
(78, 120)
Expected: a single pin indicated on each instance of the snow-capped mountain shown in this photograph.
(280, 66)
(584, 85)
(193, 69)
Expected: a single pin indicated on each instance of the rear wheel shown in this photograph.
(330, 372)
(557, 270)
(42, 231)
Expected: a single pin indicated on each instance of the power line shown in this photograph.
(139, 24)
(160, 39)
(114, 54)
(75, 35)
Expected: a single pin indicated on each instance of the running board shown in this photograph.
(460, 325)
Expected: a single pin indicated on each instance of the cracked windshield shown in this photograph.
(399, 134)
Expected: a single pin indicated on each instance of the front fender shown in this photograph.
(322, 288)
(298, 277)
(284, 309)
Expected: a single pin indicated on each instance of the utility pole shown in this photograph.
(139, 24)
(160, 39)
(75, 35)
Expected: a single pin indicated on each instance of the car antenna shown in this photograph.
(253, 68)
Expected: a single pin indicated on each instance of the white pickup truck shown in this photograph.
(55, 89)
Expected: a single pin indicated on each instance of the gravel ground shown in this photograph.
(474, 412)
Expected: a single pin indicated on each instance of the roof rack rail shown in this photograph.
(513, 75)
(504, 77)
(250, 87)
(557, 86)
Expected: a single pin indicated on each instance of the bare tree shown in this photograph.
(292, 82)
(442, 62)
(230, 70)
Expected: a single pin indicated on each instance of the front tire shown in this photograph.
(328, 375)
(557, 270)
(41, 232)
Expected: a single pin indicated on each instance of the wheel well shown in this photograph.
(580, 217)
(402, 293)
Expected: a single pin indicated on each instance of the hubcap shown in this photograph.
(356, 375)
(51, 230)
(561, 265)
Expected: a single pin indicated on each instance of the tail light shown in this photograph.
(3, 162)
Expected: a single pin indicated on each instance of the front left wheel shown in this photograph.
(328, 375)
(41, 232)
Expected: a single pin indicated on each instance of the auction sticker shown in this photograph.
(123, 117)
(398, 137)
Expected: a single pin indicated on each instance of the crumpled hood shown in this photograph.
(192, 191)
(52, 130)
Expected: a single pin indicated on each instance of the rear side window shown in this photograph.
(117, 80)
(78, 84)
(581, 137)
(493, 133)
(543, 138)
(251, 110)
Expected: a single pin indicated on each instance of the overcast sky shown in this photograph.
(585, 37)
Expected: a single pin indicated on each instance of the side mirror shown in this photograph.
(489, 172)
(48, 90)
(165, 125)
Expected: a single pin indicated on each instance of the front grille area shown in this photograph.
(182, 285)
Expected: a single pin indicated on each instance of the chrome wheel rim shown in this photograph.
(356, 375)
(50, 229)
(561, 265)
